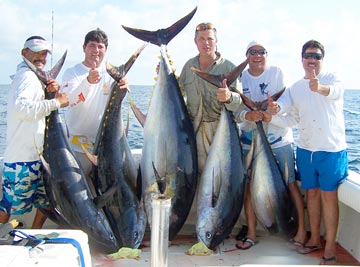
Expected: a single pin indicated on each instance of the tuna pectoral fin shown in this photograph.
(161, 182)
(45, 165)
(90, 156)
(141, 117)
(43, 160)
(101, 200)
(139, 185)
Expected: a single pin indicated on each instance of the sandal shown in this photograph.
(326, 261)
(306, 249)
(246, 240)
(294, 245)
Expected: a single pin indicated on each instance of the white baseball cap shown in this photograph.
(253, 43)
(37, 45)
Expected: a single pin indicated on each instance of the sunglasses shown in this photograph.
(260, 52)
(205, 26)
(315, 56)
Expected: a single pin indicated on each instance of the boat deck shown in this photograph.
(269, 250)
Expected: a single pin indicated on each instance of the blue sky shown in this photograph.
(282, 26)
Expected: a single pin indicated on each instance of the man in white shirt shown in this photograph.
(321, 156)
(88, 86)
(22, 184)
(259, 82)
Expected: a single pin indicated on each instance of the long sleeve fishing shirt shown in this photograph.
(87, 102)
(202, 104)
(26, 112)
(321, 118)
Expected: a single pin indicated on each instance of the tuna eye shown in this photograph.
(208, 235)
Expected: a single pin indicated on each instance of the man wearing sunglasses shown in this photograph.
(321, 155)
(259, 82)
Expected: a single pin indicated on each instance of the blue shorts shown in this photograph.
(324, 170)
(22, 187)
(284, 154)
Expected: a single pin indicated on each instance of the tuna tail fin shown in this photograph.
(216, 80)
(260, 105)
(93, 158)
(161, 36)
(248, 102)
(118, 72)
(44, 76)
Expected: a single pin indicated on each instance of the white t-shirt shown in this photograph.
(257, 88)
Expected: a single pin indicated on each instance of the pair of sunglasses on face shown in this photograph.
(316, 56)
(260, 52)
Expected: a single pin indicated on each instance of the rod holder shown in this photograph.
(160, 230)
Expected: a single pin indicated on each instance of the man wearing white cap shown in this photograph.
(22, 184)
(260, 81)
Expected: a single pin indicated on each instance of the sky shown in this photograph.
(282, 26)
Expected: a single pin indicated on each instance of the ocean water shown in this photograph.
(141, 96)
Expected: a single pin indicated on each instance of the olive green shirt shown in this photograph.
(193, 86)
(202, 104)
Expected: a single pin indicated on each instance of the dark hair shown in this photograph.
(97, 36)
(312, 44)
(35, 37)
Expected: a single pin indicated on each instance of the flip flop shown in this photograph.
(246, 240)
(308, 249)
(294, 245)
(325, 261)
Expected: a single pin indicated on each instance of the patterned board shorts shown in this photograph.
(22, 187)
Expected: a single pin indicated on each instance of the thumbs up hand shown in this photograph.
(224, 94)
(273, 106)
(313, 81)
(94, 75)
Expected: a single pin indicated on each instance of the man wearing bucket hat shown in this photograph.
(260, 81)
(22, 184)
